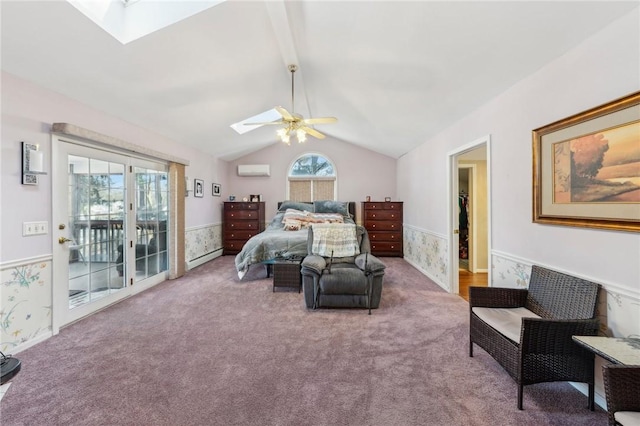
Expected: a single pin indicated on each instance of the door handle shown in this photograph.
(456, 231)
(63, 240)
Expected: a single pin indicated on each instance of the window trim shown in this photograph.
(290, 178)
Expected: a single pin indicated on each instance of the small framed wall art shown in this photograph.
(198, 185)
(216, 190)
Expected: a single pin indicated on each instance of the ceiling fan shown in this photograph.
(293, 123)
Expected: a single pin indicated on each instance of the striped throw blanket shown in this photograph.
(339, 238)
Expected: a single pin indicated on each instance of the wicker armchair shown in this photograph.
(539, 348)
(622, 390)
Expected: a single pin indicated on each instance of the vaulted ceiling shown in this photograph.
(393, 73)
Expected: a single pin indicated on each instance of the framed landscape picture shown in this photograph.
(586, 168)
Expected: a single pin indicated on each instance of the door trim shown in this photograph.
(452, 207)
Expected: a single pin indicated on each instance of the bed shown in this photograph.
(275, 241)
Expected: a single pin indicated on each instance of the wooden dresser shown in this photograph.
(383, 221)
(241, 221)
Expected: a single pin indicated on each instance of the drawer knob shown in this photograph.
(373, 226)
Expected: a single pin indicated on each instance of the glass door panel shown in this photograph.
(151, 206)
(96, 194)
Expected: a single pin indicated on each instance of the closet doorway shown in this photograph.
(470, 217)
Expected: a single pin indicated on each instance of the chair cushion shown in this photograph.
(507, 321)
(343, 280)
(627, 418)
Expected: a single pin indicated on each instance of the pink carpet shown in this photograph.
(208, 349)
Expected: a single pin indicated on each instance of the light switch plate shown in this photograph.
(35, 228)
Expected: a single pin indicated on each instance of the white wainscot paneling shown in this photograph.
(427, 252)
(25, 297)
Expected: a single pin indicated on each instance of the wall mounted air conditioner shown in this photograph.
(254, 170)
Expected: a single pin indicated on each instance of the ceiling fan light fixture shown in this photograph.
(301, 135)
(283, 134)
(295, 125)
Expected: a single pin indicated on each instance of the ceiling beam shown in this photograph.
(281, 23)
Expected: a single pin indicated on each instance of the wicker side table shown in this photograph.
(286, 273)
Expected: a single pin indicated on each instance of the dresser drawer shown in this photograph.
(386, 248)
(233, 246)
(391, 237)
(241, 224)
(383, 206)
(378, 225)
(241, 215)
(241, 234)
(392, 215)
(241, 206)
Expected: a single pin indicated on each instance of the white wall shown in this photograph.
(27, 114)
(360, 172)
(603, 68)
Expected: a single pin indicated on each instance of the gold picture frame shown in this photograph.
(586, 168)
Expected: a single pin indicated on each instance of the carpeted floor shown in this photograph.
(208, 349)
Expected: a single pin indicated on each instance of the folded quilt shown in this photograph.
(334, 240)
(295, 220)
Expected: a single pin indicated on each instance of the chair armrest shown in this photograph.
(372, 263)
(313, 263)
(622, 387)
(554, 336)
(497, 297)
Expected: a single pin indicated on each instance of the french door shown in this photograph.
(110, 216)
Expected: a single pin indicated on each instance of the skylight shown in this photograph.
(129, 20)
(263, 117)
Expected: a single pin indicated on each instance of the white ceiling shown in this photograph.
(393, 73)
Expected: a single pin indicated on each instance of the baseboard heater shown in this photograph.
(203, 259)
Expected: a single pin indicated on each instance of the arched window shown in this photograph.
(312, 177)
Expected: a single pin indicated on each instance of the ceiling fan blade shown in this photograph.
(320, 120)
(312, 132)
(284, 113)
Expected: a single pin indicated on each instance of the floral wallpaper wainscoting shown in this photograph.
(25, 294)
(618, 309)
(201, 243)
(510, 272)
(427, 252)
